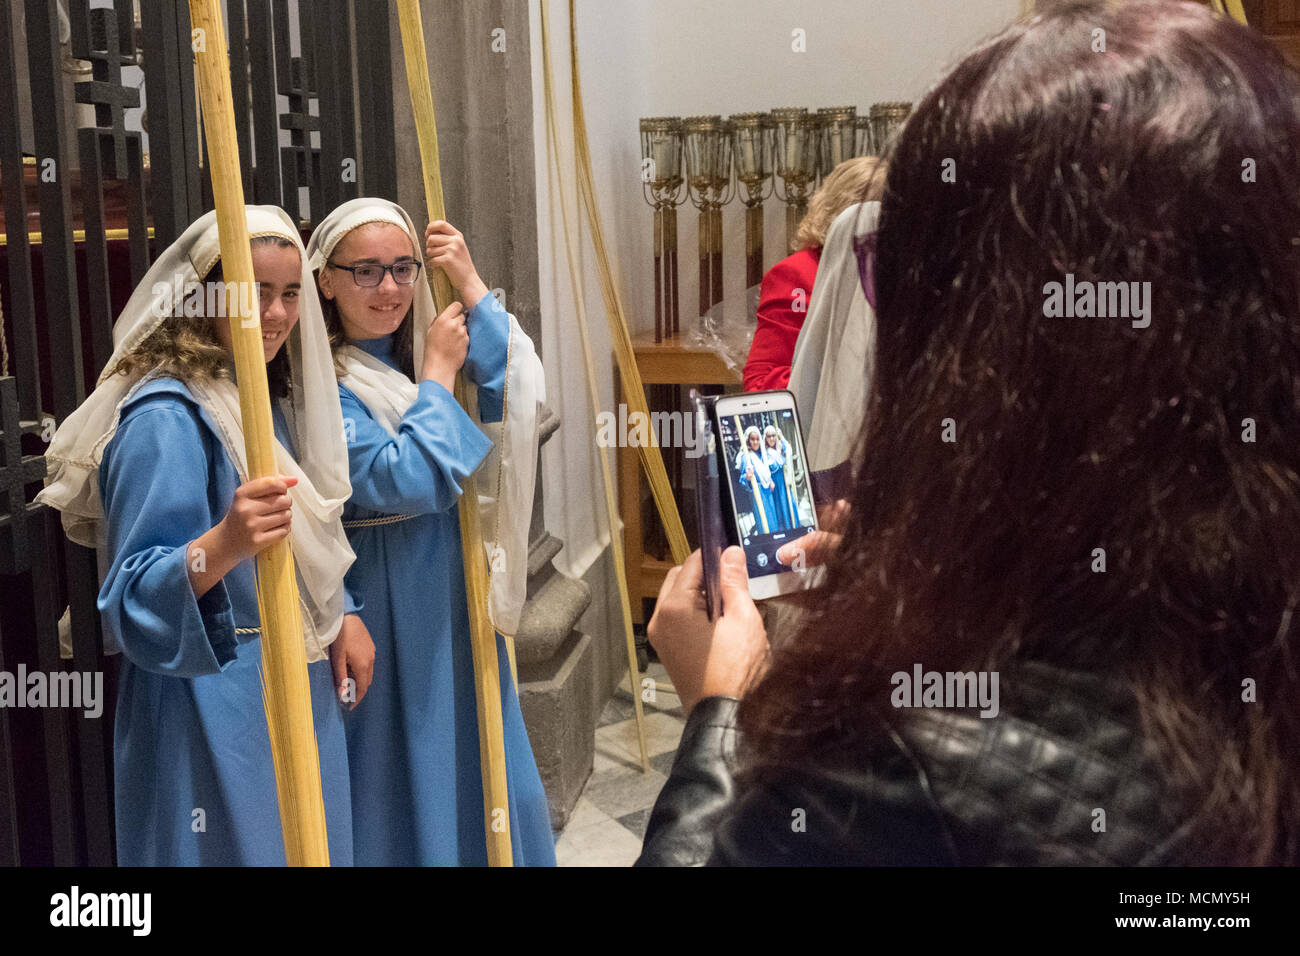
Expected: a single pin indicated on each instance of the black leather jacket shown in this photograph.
(1028, 787)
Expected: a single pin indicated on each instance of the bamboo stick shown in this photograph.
(286, 694)
(584, 336)
(651, 458)
(487, 681)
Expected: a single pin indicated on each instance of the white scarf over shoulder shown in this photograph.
(507, 477)
(320, 548)
(834, 356)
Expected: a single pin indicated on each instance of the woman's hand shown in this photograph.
(718, 659)
(444, 247)
(446, 344)
(257, 518)
(352, 657)
(815, 548)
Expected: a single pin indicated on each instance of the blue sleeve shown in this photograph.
(351, 603)
(154, 480)
(488, 325)
(744, 481)
(421, 470)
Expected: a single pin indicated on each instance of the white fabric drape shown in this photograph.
(834, 355)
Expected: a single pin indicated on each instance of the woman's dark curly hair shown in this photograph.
(1169, 155)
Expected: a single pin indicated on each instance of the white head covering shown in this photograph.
(321, 550)
(834, 356)
(755, 458)
(507, 477)
(775, 452)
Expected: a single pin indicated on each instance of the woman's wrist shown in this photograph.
(208, 559)
(442, 374)
(473, 292)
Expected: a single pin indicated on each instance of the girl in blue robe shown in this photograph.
(776, 451)
(193, 775)
(756, 478)
(414, 747)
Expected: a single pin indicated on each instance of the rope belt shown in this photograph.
(373, 522)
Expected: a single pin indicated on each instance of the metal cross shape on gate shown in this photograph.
(300, 158)
(16, 473)
(96, 37)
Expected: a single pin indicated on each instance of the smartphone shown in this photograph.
(708, 505)
(768, 487)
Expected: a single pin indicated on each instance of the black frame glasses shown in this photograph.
(389, 270)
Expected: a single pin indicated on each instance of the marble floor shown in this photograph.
(610, 817)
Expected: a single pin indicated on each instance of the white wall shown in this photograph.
(683, 58)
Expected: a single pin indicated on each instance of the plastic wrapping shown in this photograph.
(727, 329)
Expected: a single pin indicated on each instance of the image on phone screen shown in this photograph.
(768, 478)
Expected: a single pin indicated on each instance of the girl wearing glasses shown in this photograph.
(416, 770)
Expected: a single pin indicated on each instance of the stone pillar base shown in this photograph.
(555, 699)
(557, 679)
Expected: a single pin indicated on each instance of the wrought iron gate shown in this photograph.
(106, 199)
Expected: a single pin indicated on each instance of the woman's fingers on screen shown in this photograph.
(808, 551)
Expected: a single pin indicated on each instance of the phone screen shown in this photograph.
(768, 478)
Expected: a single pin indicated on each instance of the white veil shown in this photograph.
(758, 459)
(321, 551)
(507, 477)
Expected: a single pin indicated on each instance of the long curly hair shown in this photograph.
(1171, 156)
(186, 348)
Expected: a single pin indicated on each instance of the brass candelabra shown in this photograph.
(661, 185)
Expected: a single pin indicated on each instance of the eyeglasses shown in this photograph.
(371, 274)
(864, 247)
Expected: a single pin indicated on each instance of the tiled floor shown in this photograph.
(610, 817)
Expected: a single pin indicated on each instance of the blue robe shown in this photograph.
(413, 740)
(763, 498)
(191, 731)
(781, 502)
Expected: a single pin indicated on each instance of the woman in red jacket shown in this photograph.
(787, 287)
